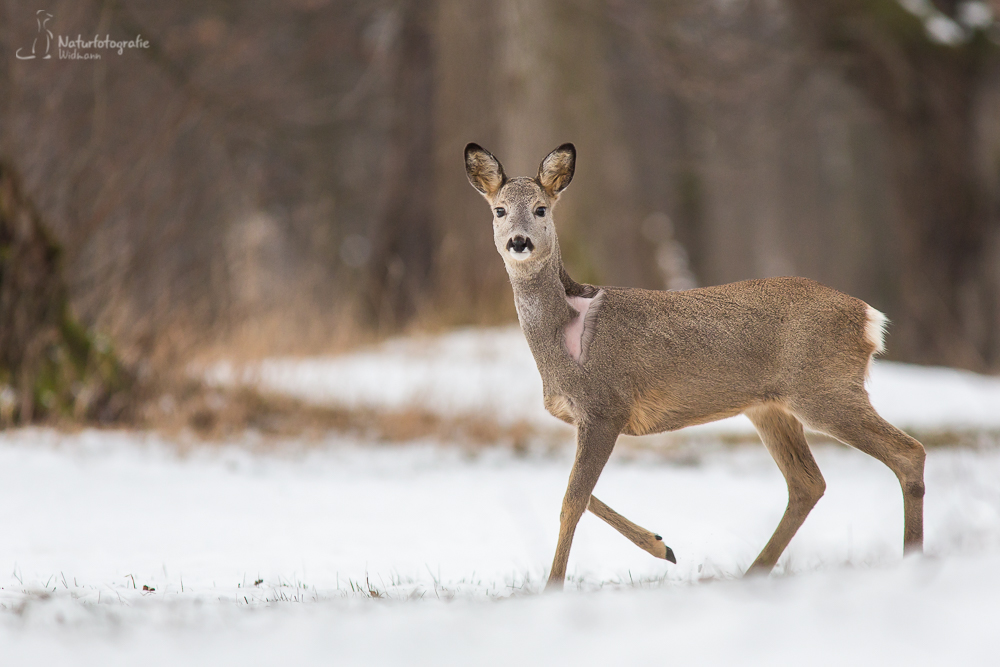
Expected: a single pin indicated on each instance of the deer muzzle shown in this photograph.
(520, 247)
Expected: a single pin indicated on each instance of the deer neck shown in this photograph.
(542, 308)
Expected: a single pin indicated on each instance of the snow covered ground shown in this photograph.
(345, 552)
(457, 545)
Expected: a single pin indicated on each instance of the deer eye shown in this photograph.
(500, 211)
(540, 211)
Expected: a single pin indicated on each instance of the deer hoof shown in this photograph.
(670, 555)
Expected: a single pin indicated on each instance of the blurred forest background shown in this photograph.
(283, 178)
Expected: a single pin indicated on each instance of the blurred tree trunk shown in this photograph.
(49, 365)
(404, 239)
(32, 298)
(471, 285)
(925, 94)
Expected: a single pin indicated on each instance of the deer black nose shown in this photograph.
(520, 244)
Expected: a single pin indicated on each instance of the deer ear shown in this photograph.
(556, 170)
(485, 171)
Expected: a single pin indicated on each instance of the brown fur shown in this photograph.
(649, 542)
(560, 407)
(590, 324)
(784, 351)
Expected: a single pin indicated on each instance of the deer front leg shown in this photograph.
(646, 540)
(594, 442)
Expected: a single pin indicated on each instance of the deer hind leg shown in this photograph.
(594, 442)
(783, 436)
(853, 421)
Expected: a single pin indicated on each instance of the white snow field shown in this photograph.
(458, 547)
(345, 552)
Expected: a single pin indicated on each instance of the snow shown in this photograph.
(458, 543)
(491, 372)
(345, 551)
(470, 371)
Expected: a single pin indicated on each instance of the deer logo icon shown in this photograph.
(42, 17)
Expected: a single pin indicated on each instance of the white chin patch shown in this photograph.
(519, 256)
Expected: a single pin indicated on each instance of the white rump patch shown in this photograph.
(580, 329)
(875, 324)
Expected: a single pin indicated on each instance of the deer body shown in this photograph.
(783, 351)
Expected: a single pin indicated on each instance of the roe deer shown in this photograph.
(786, 352)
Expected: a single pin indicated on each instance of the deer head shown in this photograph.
(523, 230)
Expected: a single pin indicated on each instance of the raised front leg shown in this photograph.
(646, 540)
(594, 442)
